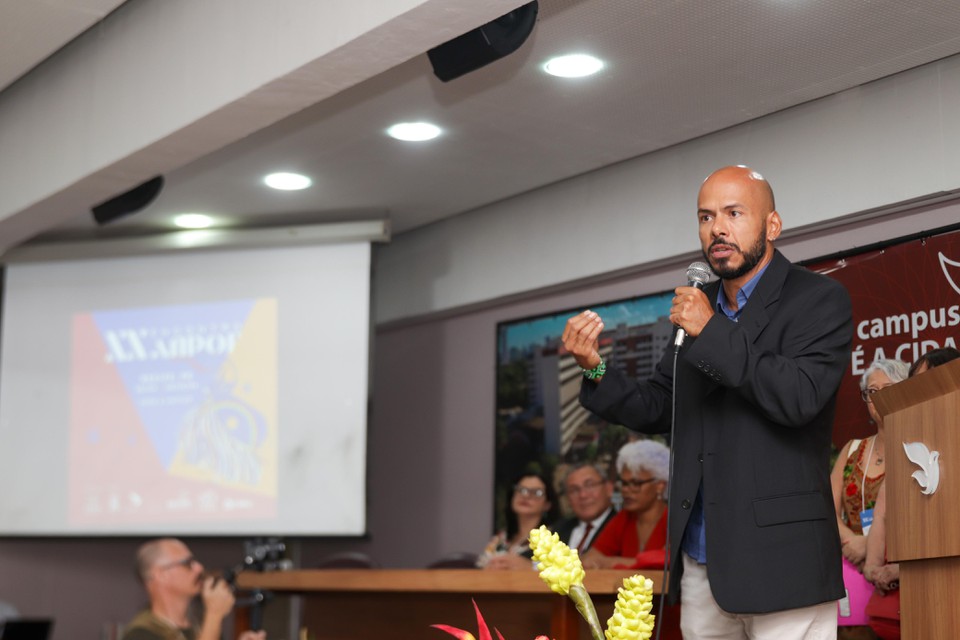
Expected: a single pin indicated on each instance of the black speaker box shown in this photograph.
(484, 44)
(128, 202)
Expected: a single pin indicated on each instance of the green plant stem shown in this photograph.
(585, 606)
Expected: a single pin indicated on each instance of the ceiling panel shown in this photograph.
(33, 30)
(675, 70)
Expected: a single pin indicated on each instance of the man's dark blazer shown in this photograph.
(755, 405)
(565, 527)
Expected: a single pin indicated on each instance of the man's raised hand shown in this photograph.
(581, 338)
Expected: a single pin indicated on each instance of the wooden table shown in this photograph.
(349, 604)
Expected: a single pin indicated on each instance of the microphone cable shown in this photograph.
(698, 274)
(664, 580)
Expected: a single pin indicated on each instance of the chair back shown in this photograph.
(455, 560)
(348, 560)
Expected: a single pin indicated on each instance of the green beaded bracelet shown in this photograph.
(596, 372)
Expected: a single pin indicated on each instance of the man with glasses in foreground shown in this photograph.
(172, 578)
(590, 495)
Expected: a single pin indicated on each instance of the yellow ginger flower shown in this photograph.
(632, 618)
(561, 569)
(560, 565)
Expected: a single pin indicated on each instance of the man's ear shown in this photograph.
(774, 225)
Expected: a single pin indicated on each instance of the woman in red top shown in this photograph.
(636, 536)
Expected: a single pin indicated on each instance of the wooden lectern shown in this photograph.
(923, 531)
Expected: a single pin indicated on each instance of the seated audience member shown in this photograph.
(884, 606)
(933, 358)
(172, 578)
(590, 494)
(637, 535)
(533, 503)
(856, 479)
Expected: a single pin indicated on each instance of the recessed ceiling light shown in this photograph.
(414, 131)
(193, 221)
(287, 181)
(576, 65)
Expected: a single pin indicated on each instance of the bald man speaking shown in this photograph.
(755, 547)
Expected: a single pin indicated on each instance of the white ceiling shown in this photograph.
(676, 70)
(33, 30)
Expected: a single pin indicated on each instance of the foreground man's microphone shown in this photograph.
(698, 274)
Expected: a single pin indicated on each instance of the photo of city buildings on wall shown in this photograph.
(540, 425)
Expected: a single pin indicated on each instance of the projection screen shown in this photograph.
(207, 393)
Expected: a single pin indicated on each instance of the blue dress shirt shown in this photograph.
(695, 536)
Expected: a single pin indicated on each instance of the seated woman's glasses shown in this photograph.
(527, 492)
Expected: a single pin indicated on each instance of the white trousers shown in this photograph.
(702, 619)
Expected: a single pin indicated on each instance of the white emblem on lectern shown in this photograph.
(928, 477)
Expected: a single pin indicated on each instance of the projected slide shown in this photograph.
(211, 393)
(173, 414)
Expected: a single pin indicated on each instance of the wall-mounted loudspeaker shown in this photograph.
(129, 202)
(483, 45)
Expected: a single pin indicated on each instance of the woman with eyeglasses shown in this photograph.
(884, 606)
(637, 535)
(533, 503)
(856, 479)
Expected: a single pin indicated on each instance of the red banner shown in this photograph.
(906, 301)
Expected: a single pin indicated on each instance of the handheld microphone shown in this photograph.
(698, 274)
(259, 599)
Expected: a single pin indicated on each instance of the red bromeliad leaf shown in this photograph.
(483, 630)
(481, 625)
(457, 633)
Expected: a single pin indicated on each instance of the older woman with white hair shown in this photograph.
(636, 537)
(857, 477)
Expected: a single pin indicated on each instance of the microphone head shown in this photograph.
(698, 274)
(230, 576)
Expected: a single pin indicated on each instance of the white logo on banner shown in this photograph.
(928, 477)
(944, 261)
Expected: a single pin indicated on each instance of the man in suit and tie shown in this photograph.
(754, 544)
(589, 492)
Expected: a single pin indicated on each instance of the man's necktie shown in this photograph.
(583, 540)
